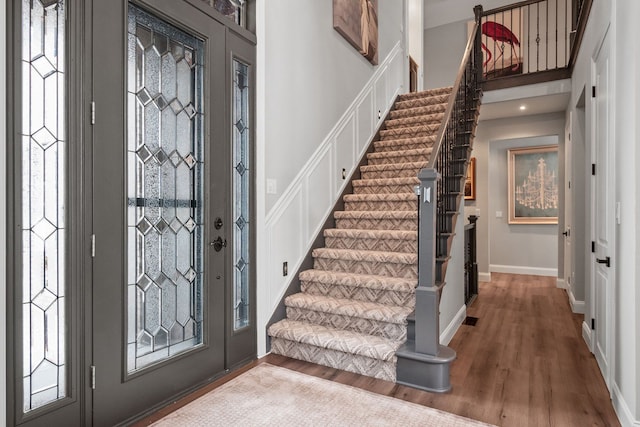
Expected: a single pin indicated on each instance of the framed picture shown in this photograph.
(470, 182)
(357, 22)
(533, 185)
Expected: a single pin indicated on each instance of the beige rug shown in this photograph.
(268, 395)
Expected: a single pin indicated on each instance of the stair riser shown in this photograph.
(402, 173)
(412, 132)
(418, 95)
(421, 102)
(405, 271)
(356, 293)
(384, 370)
(387, 245)
(382, 148)
(391, 160)
(384, 189)
(377, 224)
(414, 121)
(405, 205)
(418, 111)
(387, 330)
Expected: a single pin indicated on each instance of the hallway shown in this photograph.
(524, 363)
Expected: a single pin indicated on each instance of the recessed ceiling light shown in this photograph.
(523, 107)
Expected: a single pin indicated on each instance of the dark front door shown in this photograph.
(171, 218)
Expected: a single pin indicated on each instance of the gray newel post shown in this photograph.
(427, 293)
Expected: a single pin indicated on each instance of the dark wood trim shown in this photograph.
(510, 7)
(579, 35)
(526, 79)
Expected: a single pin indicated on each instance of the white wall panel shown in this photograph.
(319, 191)
(345, 151)
(365, 121)
(287, 237)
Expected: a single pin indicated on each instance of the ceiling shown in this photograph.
(533, 105)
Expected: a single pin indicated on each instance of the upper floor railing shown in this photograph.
(530, 41)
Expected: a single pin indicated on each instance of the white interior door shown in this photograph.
(568, 203)
(604, 213)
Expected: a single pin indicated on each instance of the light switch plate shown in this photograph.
(498, 214)
(272, 186)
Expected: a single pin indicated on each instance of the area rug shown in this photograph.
(268, 395)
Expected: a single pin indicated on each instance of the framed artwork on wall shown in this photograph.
(357, 22)
(533, 185)
(470, 182)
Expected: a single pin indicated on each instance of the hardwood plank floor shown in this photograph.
(523, 364)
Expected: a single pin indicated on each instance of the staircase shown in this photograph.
(355, 305)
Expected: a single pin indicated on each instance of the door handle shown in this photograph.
(606, 261)
(218, 244)
(566, 233)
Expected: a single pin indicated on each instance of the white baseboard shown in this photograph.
(484, 277)
(560, 283)
(622, 409)
(447, 335)
(516, 269)
(576, 306)
(586, 334)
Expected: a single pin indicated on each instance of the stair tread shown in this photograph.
(371, 346)
(393, 166)
(426, 140)
(386, 181)
(428, 92)
(372, 234)
(349, 308)
(370, 281)
(399, 153)
(430, 128)
(368, 256)
(425, 100)
(376, 214)
(416, 111)
(435, 117)
(383, 197)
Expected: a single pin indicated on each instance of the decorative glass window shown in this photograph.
(241, 194)
(44, 178)
(165, 190)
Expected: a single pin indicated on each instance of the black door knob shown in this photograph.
(218, 244)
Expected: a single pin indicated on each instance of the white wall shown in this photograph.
(517, 248)
(319, 103)
(497, 130)
(312, 76)
(452, 307)
(3, 219)
(618, 17)
(443, 50)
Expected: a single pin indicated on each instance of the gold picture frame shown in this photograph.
(533, 185)
(470, 181)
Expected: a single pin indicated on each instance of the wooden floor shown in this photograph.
(524, 363)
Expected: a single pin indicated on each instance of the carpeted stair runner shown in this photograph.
(353, 307)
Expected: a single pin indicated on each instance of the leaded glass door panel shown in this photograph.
(159, 171)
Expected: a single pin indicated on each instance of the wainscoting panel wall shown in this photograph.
(296, 218)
